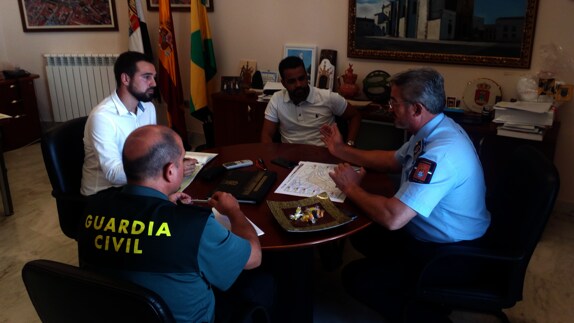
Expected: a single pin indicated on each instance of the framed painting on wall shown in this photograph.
(308, 54)
(40, 15)
(469, 32)
(177, 5)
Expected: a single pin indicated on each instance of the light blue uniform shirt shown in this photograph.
(451, 207)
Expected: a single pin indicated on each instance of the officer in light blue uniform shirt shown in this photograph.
(441, 198)
(442, 181)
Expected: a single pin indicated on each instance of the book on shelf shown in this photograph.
(247, 186)
(536, 134)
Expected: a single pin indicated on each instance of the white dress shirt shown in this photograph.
(107, 128)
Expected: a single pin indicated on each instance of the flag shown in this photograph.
(169, 78)
(138, 34)
(202, 64)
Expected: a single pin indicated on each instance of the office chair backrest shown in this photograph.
(64, 293)
(63, 152)
(523, 199)
(488, 274)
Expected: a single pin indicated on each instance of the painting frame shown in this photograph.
(152, 5)
(309, 55)
(35, 19)
(387, 42)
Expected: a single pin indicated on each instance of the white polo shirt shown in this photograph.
(301, 123)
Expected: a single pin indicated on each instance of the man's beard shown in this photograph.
(146, 96)
(299, 94)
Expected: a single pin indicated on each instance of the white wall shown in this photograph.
(258, 29)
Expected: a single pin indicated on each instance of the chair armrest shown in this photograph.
(467, 258)
(474, 252)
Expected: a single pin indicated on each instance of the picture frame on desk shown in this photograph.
(308, 53)
(563, 92)
(269, 76)
(231, 84)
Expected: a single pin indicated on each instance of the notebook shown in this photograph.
(247, 186)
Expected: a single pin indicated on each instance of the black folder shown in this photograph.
(247, 186)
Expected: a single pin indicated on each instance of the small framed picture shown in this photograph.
(546, 86)
(231, 84)
(269, 76)
(308, 53)
(563, 92)
(326, 75)
(451, 102)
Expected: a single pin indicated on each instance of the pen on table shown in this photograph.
(261, 164)
(200, 200)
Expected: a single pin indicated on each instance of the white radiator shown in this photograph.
(78, 82)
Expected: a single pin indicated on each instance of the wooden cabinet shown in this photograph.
(18, 99)
(237, 118)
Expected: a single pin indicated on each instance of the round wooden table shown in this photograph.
(275, 237)
(289, 255)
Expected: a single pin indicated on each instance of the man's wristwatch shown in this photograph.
(351, 143)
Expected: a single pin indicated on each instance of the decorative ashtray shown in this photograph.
(308, 215)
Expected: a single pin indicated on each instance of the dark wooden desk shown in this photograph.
(275, 237)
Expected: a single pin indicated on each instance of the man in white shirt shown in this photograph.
(113, 119)
(299, 111)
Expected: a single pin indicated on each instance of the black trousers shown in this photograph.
(251, 298)
(386, 277)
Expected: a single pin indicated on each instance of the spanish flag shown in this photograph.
(169, 77)
(202, 65)
(138, 34)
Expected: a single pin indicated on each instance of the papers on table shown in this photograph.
(309, 179)
(224, 221)
(202, 160)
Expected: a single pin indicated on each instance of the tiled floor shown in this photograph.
(33, 232)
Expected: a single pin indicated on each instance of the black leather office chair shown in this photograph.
(64, 293)
(63, 152)
(488, 275)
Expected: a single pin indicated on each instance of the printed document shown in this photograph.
(224, 221)
(202, 160)
(309, 179)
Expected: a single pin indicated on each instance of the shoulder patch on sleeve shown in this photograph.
(422, 171)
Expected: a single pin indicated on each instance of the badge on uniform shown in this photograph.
(418, 149)
(422, 171)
